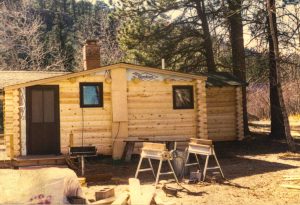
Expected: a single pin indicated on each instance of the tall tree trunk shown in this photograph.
(64, 6)
(74, 10)
(238, 51)
(42, 4)
(280, 126)
(209, 54)
(54, 5)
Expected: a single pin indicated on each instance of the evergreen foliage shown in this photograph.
(61, 27)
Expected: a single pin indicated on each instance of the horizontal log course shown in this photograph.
(229, 109)
(228, 125)
(220, 89)
(222, 117)
(158, 83)
(223, 138)
(78, 112)
(151, 100)
(222, 130)
(150, 95)
(165, 105)
(77, 118)
(161, 116)
(225, 101)
(177, 121)
(86, 121)
(146, 132)
(162, 126)
(220, 104)
(159, 111)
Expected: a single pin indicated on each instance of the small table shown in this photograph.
(82, 152)
(171, 143)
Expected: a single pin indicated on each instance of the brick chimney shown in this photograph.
(91, 54)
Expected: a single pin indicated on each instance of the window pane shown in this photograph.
(37, 106)
(48, 106)
(91, 95)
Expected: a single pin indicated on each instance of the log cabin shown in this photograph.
(103, 106)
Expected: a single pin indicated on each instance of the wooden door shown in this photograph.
(42, 119)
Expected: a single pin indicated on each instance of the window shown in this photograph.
(91, 94)
(183, 97)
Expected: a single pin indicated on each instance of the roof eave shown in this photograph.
(109, 67)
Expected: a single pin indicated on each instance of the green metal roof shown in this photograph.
(222, 79)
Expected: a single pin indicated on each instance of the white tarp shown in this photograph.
(38, 186)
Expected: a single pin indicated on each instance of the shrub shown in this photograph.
(258, 100)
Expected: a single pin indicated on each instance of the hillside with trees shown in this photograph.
(48, 35)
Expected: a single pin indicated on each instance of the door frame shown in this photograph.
(28, 117)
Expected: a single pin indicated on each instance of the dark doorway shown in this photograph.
(42, 119)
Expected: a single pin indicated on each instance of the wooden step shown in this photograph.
(4, 164)
(30, 161)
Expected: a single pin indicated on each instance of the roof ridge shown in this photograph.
(32, 71)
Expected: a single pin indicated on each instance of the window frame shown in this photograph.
(100, 85)
(190, 88)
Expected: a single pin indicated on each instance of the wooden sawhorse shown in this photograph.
(205, 148)
(157, 152)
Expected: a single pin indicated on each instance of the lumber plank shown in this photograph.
(135, 191)
(139, 196)
(121, 199)
(292, 179)
(290, 186)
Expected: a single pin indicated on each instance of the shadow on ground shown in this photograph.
(242, 167)
(257, 144)
(236, 159)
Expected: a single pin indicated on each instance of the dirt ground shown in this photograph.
(254, 169)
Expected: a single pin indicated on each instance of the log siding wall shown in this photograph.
(93, 123)
(11, 123)
(96, 121)
(151, 113)
(222, 113)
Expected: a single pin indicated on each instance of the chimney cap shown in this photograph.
(91, 41)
